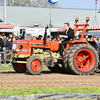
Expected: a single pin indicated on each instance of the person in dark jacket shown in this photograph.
(40, 37)
(23, 36)
(67, 36)
(4, 39)
(9, 43)
(1, 43)
(1, 49)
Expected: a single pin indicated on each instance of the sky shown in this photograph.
(83, 4)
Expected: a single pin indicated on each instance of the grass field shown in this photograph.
(36, 90)
(68, 99)
(8, 66)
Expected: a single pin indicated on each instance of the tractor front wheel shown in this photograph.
(34, 65)
(19, 67)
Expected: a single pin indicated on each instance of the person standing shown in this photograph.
(95, 39)
(98, 40)
(86, 37)
(1, 48)
(68, 35)
(23, 36)
(4, 39)
(9, 43)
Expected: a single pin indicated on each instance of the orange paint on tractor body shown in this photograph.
(28, 44)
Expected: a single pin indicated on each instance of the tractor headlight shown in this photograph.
(14, 46)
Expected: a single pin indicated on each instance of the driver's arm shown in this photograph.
(63, 36)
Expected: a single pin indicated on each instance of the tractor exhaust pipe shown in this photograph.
(45, 35)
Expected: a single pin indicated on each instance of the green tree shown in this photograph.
(30, 3)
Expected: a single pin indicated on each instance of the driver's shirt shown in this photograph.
(66, 34)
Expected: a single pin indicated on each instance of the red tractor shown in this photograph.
(80, 57)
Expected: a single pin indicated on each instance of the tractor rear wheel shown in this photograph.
(19, 67)
(66, 55)
(34, 65)
(83, 59)
(57, 69)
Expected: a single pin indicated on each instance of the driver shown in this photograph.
(68, 35)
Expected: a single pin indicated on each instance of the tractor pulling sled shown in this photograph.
(80, 57)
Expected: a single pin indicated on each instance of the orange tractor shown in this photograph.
(80, 57)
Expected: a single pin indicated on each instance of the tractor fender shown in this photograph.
(70, 43)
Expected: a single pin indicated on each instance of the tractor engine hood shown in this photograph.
(52, 45)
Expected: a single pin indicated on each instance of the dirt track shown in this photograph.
(9, 78)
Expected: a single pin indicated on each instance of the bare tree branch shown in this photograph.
(29, 3)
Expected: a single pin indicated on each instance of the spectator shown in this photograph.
(1, 43)
(95, 39)
(3, 34)
(19, 38)
(4, 39)
(23, 36)
(48, 38)
(86, 37)
(10, 36)
(7, 38)
(16, 37)
(98, 40)
(51, 37)
(1, 48)
(40, 37)
(9, 43)
(33, 37)
(36, 37)
(91, 39)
